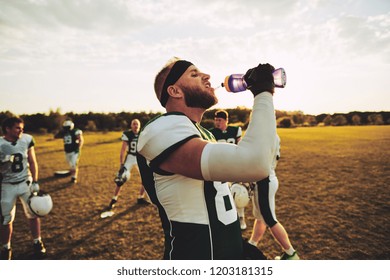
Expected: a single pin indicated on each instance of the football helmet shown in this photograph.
(40, 203)
(68, 124)
(240, 195)
(121, 176)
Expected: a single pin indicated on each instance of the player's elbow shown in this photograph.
(257, 169)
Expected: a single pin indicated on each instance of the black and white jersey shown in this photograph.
(71, 141)
(131, 138)
(18, 169)
(198, 217)
(230, 135)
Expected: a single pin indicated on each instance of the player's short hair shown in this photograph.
(10, 122)
(135, 120)
(221, 114)
(162, 76)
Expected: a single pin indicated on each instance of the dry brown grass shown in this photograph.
(333, 199)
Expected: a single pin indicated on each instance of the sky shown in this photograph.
(102, 55)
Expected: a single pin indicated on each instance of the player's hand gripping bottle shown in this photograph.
(236, 82)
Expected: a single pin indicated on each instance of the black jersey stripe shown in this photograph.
(263, 192)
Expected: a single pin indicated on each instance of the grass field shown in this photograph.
(333, 199)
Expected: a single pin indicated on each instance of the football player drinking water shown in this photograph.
(185, 173)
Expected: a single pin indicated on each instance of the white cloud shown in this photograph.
(108, 30)
(366, 36)
(108, 38)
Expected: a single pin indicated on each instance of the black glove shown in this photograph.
(260, 79)
(122, 170)
(120, 179)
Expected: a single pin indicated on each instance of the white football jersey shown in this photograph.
(18, 169)
(275, 158)
(199, 217)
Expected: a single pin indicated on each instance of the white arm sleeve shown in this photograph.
(251, 159)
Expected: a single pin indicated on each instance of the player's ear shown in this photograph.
(174, 91)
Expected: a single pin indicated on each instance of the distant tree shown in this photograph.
(91, 126)
(320, 118)
(280, 114)
(124, 125)
(356, 119)
(327, 120)
(285, 122)
(106, 122)
(242, 115)
(55, 121)
(33, 123)
(375, 119)
(310, 120)
(298, 118)
(339, 120)
(52, 121)
(207, 123)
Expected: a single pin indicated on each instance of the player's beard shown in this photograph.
(198, 98)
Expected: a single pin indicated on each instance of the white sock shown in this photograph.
(252, 242)
(37, 240)
(241, 212)
(290, 251)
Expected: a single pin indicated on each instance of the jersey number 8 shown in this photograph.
(17, 164)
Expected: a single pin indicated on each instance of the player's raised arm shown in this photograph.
(249, 160)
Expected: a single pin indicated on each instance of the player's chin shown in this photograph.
(210, 90)
(211, 93)
(213, 102)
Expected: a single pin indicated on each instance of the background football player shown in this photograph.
(73, 142)
(128, 160)
(264, 211)
(222, 131)
(19, 173)
(228, 134)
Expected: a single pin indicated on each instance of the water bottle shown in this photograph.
(236, 82)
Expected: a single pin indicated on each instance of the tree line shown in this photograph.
(52, 121)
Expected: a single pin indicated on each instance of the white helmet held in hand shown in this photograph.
(40, 203)
(240, 195)
(68, 123)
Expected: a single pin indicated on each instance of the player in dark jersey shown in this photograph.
(224, 132)
(185, 172)
(128, 160)
(73, 142)
(228, 134)
(19, 174)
